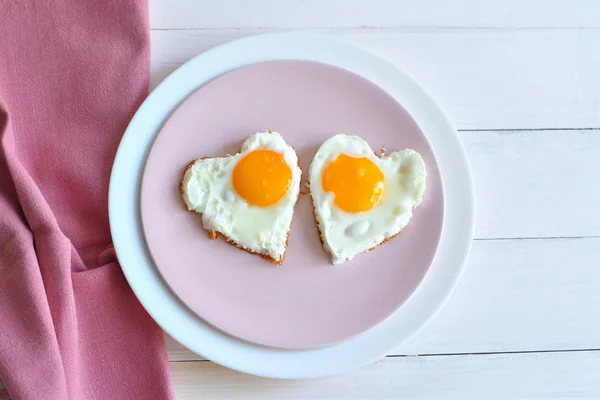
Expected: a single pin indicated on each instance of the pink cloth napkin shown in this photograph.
(72, 73)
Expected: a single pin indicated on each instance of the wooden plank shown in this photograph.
(515, 295)
(205, 14)
(485, 79)
(536, 183)
(508, 376)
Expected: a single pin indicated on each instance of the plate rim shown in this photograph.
(188, 329)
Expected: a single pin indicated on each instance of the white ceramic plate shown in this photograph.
(198, 336)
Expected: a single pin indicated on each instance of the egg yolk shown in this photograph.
(357, 183)
(262, 177)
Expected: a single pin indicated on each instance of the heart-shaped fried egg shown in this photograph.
(361, 200)
(248, 197)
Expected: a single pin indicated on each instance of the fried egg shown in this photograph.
(361, 200)
(248, 197)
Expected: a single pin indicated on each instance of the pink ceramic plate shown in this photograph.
(306, 303)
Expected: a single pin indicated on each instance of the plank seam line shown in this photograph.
(388, 29)
(491, 353)
(591, 350)
(538, 238)
(529, 129)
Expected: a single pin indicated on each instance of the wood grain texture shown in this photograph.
(515, 295)
(485, 79)
(535, 183)
(236, 14)
(503, 376)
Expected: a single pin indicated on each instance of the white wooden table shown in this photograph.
(521, 80)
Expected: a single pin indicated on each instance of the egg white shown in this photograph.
(346, 234)
(207, 188)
